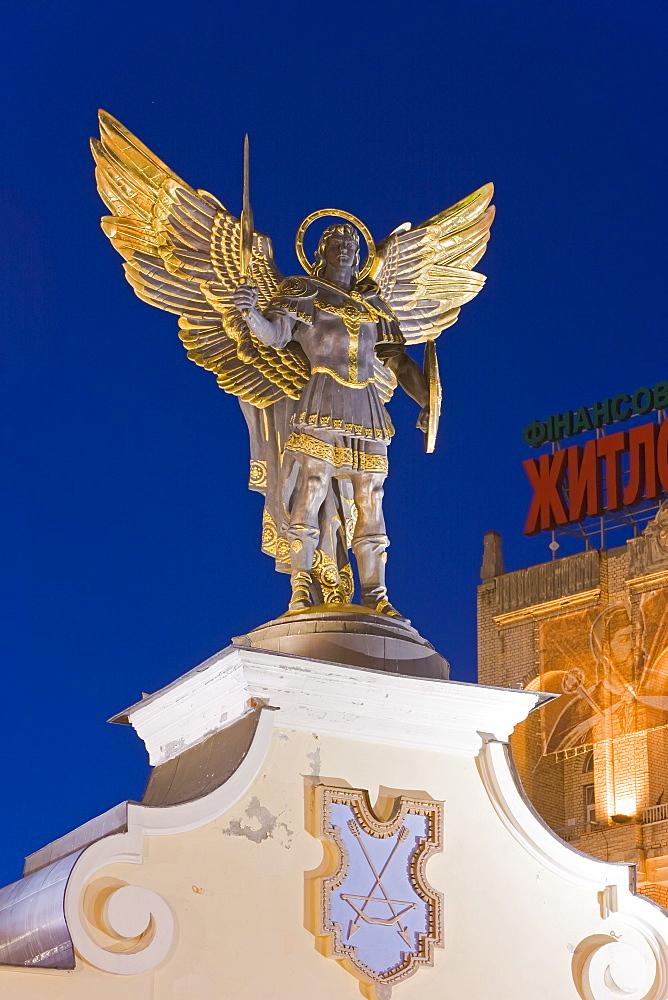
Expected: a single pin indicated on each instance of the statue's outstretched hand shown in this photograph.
(423, 420)
(245, 298)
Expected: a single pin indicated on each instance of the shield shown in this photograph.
(435, 394)
(380, 915)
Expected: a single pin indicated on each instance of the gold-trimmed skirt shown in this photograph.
(325, 404)
(345, 453)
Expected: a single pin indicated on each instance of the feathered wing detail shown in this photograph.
(182, 254)
(424, 272)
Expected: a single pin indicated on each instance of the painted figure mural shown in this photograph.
(611, 668)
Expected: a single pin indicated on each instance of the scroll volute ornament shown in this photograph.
(628, 962)
(121, 928)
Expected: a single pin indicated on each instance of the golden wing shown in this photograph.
(424, 272)
(182, 254)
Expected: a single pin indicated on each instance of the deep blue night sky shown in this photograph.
(130, 540)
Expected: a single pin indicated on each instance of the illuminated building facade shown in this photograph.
(592, 628)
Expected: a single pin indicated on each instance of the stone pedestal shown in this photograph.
(350, 634)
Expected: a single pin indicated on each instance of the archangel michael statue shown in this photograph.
(312, 358)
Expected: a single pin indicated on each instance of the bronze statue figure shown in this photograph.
(312, 358)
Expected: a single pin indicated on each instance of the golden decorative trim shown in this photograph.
(337, 585)
(547, 607)
(295, 287)
(347, 583)
(609, 741)
(648, 580)
(351, 523)
(299, 314)
(353, 316)
(257, 477)
(341, 380)
(273, 544)
(337, 214)
(354, 430)
(338, 457)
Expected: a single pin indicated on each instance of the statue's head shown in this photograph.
(339, 246)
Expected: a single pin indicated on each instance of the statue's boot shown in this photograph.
(303, 541)
(369, 551)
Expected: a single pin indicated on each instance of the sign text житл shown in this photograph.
(585, 481)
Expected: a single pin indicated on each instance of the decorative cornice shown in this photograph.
(648, 581)
(547, 582)
(191, 708)
(582, 599)
(312, 695)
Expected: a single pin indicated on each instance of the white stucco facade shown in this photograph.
(218, 896)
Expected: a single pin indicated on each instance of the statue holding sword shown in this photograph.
(313, 358)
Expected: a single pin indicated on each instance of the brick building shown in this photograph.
(592, 628)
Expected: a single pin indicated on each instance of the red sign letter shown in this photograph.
(609, 448)
(584, 482)
(642, 482)
(547, 506)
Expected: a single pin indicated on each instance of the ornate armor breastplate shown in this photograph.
(353, 315)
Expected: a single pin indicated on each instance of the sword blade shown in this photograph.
(246, 247)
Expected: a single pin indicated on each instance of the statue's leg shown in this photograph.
(370, 542)
(303, 532)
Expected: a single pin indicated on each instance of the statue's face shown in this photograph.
(340, 250)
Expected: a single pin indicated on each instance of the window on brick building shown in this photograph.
(589, 803)
(588, 762)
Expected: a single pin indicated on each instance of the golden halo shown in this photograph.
(337, 214)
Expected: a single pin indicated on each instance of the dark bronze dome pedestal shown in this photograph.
(350, 634)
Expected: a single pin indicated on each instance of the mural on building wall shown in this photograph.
(611, 667)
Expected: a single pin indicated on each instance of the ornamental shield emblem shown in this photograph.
(377, 913)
